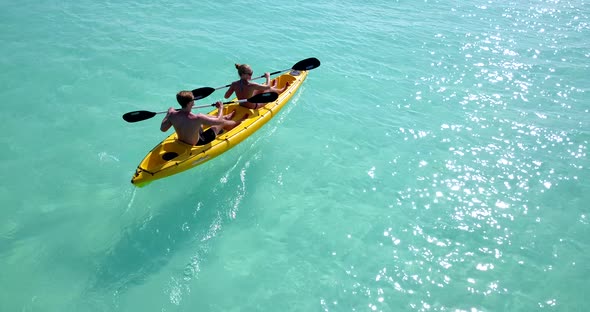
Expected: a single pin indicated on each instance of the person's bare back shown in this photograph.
(244, 88)
(187, 126)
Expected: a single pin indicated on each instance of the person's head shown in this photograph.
(185, 98)
(244, 71)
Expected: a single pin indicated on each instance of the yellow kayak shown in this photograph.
(172, 156)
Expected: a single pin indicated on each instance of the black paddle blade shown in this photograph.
(202, 93)
(138, 116)
(307, 64)
(264, 97)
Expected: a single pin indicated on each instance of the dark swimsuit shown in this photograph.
(206, 137)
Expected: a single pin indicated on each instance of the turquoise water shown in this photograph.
(436, 161)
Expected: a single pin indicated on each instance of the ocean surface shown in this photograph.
(437, 160)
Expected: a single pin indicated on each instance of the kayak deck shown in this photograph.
(172, 156)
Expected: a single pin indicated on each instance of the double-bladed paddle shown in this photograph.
(258, 98)
(306, 64)
(201, 93)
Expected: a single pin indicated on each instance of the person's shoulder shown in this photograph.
(172, 114)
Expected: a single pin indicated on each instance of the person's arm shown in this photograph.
(213, 121)
(260, 87)
(264, 88)
(267, 76)
(166, 124)
(219, 106)
(229, 91)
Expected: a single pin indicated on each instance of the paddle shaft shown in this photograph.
(306, 64)
(273, 73)
(200, 93)
(203, 106)
(136, 116)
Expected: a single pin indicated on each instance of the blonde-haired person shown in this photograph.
(189, 126)
(245, 88)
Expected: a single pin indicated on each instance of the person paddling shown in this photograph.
(245, 88)
(189, 126)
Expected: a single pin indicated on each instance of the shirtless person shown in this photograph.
(189, 126)
(244, 88)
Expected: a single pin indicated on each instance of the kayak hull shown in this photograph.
(172, 156)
